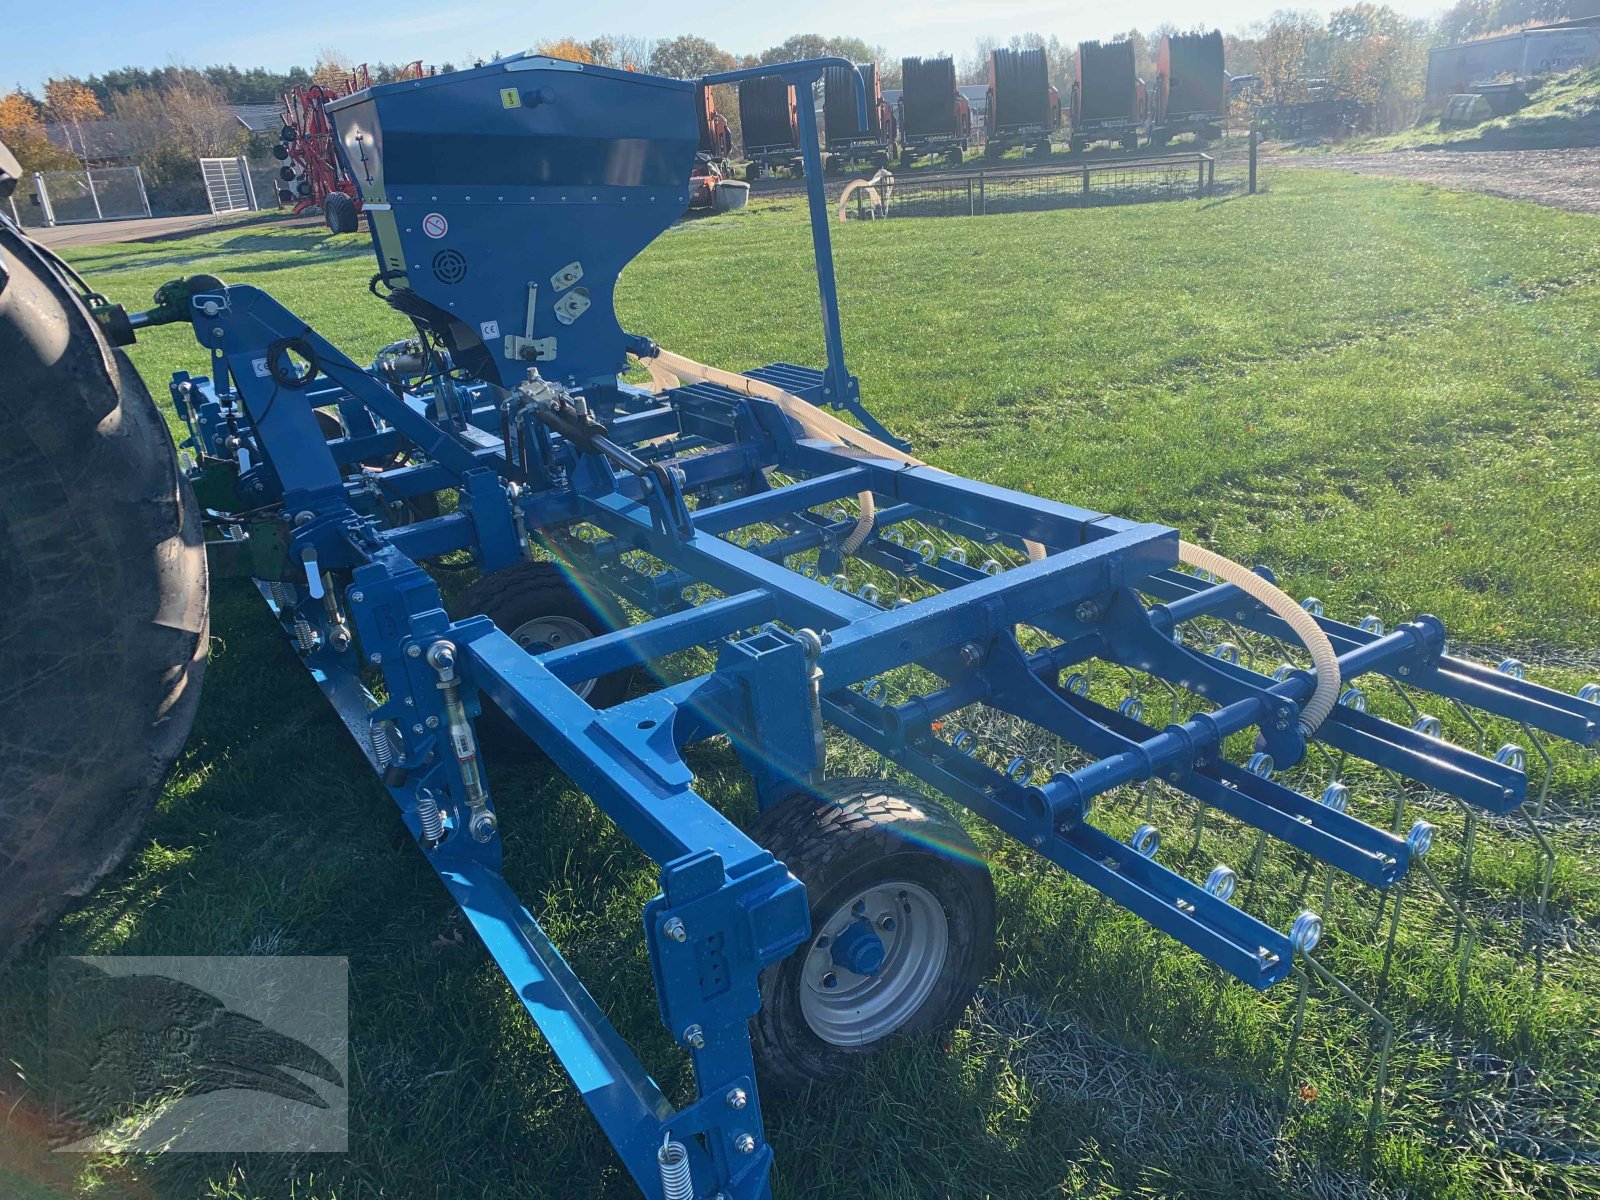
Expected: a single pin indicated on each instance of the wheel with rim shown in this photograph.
(103, 570)
(341, 214)
(541, 607)
(902, 927)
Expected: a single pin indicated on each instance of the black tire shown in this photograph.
(957, 157)
(517, 596)
(340, 212)
(286, 174)
(102, 564)
(280, 151)
(838, 839)
(907, 159)
(1041, 150)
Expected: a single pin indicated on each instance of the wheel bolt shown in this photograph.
(830, 980)
(886, 924)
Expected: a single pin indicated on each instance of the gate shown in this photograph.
(229, 187)
(101, 194)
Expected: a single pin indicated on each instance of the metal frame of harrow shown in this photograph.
(674, 476)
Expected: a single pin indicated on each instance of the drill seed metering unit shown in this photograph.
(834, 580)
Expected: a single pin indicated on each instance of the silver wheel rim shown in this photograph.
(554, 633)
(846, 1008)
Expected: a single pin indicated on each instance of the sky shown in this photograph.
(37, 40)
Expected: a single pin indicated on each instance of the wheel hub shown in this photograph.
(873, 963)
(554, 633)
(858, 949)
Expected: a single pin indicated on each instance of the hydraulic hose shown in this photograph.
(1323, 656)
(822, 425)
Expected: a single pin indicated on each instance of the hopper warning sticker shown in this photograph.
(435, 226)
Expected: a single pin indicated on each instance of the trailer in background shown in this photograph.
(935, 118)
(1191, 92)
(770, 124)
(1108, 97)
(847, 141)
(1023, 109)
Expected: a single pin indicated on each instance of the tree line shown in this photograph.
(167, 117)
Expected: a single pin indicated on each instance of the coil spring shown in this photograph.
(382, 744)
(428, 817)
(305, 635)
(673, 1162)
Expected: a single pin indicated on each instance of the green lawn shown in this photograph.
(1385, 391)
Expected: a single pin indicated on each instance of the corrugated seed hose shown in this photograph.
(666, 367)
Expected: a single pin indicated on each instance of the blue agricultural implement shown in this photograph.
(802, 572)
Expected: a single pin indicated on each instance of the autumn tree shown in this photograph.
(22, 129)
(332, 70)
(569, 49)
(72, 104)
(688, 57)
(621, 50)
(1283, 48)
(1381, 57)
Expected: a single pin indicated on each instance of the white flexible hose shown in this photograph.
(824, 426)
(1323, 656)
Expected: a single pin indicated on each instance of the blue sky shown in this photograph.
(96, 35)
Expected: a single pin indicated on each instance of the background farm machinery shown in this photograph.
(1191, 88)
(935, 118)
(790, 572)
(1023, 108)
(1108, 102)
(312, 174)
(711, 182)
(849, 140)
(769, 121)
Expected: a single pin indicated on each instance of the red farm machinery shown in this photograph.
(1191, 92)
(1109, 103)
(935, 118)
(711, 182)
(849, 140)
(1023, 109)
(312, 174)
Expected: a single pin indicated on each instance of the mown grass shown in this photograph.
(1387, 392)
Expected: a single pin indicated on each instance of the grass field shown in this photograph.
(1385, 391)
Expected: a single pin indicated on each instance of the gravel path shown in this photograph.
(1567, 179)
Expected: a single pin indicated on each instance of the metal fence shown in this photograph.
(229, 187)
(1085, 185)
(101, 194)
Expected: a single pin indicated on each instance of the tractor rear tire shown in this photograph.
(341, 214)
(897, 854)
(102, 564)
(540, 606)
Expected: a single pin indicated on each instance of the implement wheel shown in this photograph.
(341, 214)
(102, 566)
(902, 927)
(540, 607)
